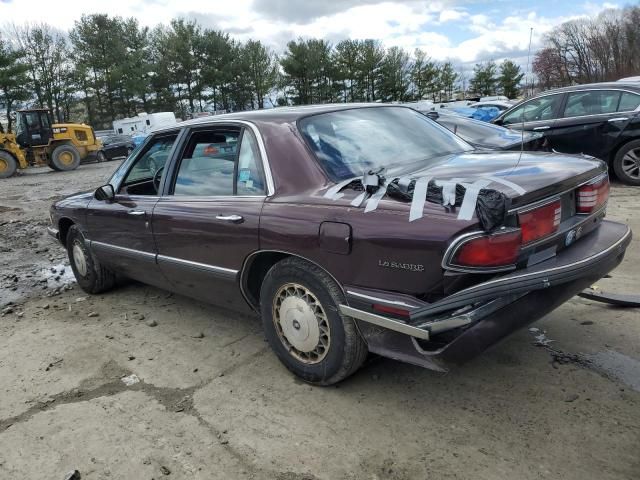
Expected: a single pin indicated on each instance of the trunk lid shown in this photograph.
(537, 174)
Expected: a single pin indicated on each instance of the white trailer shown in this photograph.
(143, 123)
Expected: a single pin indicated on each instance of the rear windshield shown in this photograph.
(351, 142)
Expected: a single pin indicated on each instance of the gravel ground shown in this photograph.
(140, 383)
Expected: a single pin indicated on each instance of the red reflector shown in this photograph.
(393, 310)
(592, 196)
(540, 222)
(490, 251)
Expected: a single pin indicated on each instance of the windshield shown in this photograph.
(349, 143)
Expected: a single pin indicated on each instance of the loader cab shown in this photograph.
(33, 127)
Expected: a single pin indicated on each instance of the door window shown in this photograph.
(536, 109)
(214, 164)
(628, 102)
(595, 102)
(139, 179)
(249, 179)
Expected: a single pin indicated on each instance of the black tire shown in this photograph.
(96, 278)
(346, 349)
(129, 150)
(8, 164)
(64, 158)
(101, 157)
(627, 167)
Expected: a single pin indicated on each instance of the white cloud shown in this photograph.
(406, 23)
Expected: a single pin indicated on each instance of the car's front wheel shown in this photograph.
(299, 306)
(91, 275)
(626, 164)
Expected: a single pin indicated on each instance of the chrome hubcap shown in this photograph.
(79, 259)
(301, 323)
(631, 163)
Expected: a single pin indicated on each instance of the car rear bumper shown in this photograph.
(485, 313)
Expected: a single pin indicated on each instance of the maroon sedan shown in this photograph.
(350, 229)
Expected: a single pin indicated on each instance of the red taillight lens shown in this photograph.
(540, 222)
(593, 195)
(401, 312)
(495, 250)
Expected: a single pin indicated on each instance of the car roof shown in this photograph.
(634, 86)
(277, 115)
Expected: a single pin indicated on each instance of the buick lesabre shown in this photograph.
(349, 229)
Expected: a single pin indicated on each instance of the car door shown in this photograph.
(589, 124)
(538, 114)
(209, 222)
(120, 229)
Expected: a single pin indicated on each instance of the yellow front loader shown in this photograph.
(37, 141)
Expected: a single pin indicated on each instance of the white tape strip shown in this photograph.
(356, 202)
(514, 186)
(468, 206)
(333, 192)
(372, 202)
(419, 197)
(448, 191)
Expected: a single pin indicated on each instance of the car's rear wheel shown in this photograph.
(299, 305)
(101, 157)
(90, 274)
(8, 165)
(626, 164)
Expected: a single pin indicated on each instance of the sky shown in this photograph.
(463, 31)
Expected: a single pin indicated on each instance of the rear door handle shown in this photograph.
(230, 218)
(136, 212)
(617, 119)
(537, 129)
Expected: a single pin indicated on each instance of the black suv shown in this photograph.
(598, 119)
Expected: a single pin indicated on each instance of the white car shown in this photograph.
(501, 105)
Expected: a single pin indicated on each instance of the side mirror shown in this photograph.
(105, 192)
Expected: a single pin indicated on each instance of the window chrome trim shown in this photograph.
(266, 166)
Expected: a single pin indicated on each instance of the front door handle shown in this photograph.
(617, 119)
(230, 218)
(537, 129)
(136, 212)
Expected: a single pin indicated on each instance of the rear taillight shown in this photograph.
(496, 250)
(400, 312)
(593, 195)
(540, 222)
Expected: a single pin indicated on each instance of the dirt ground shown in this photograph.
(89, 383)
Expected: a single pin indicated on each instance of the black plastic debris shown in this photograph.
(618, 299)
(491, 209)
(73, 475)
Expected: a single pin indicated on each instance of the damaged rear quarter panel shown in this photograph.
(387, 252)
